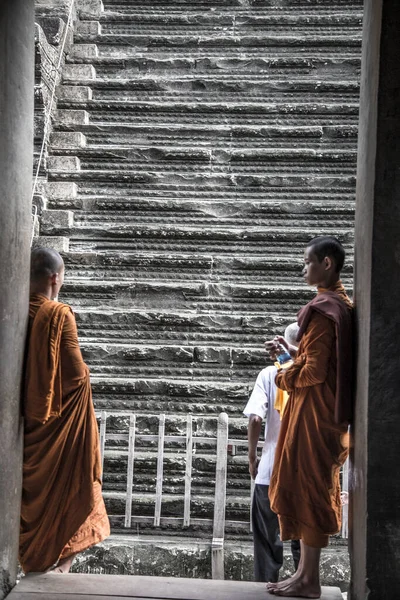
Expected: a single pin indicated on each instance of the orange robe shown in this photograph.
(62, 509)
(304, 489)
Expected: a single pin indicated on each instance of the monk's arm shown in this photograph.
(73, 366)
(312, 365)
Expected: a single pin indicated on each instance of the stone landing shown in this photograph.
(94, 587)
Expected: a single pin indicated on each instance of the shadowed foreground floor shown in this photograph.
(123, 587)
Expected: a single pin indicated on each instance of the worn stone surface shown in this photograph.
(155, 556)
(59, 243)
(56, 218)
(53, 39)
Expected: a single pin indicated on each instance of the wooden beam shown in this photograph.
(188, 471)
(217, 545)
(93, 587)
(129, 475)
(160, 467)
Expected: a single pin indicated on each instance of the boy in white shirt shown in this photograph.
(268, 548)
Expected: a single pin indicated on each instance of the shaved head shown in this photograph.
(45, 262)
(291, 333)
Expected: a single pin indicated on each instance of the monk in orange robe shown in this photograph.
(313, 442)
(62, 511)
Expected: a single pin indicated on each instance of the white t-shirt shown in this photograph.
(261, 403)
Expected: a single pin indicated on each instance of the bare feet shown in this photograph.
(295, 587)
(63, 566)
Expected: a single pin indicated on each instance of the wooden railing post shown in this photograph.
(160, 467)
(188, 471)
(129, 477)
(103, 423)
(217, 546)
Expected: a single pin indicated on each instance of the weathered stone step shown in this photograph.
(203, 425)
(184, 327)
(287, 191)
(173, 184)
(161, 266)
(207, 113)
(218, 234)
(195, 242)
(111, 45)
(237, 507)
(143, 550)
(203, 473)
(281, 206)
(200, 296)
(177, 396)
(235, 138)
(236, 65)
(209, 90)
(168, 360)
(225, 22)
(196, 218)
(123, 6)
(203, 467)
(207, 160)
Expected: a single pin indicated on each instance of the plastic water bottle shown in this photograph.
(284, 356)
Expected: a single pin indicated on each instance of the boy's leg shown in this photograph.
(268, 548)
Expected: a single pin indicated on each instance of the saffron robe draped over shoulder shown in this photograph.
(313, 442)
(62, 510)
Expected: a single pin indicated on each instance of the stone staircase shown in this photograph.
(196, 148)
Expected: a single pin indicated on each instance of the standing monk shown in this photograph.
(62, 511)
(313, 442)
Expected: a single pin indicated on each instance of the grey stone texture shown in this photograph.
(213, 141)
(53, 39)
(375, 534)
(134, 555)
(16, 151)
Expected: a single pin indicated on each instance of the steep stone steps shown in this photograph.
(200, 296)
(168, 360)
(187, 327)
(221, 23)
(234, 113)
(237, 507)
(262, 212)
(314, 7)
(173, 396)
(251, 187)
(142, 266)
(203, 474)
(217, 240)
(287, 195)
(196, 149)
(340, 218)
(150, 45)
(204, 160)
(112, 135)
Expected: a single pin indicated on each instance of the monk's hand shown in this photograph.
(272, 348)
(253, 466)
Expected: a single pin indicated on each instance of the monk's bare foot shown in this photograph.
(57, 570)
(277, 585)
(295, 588)
(63, 566)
